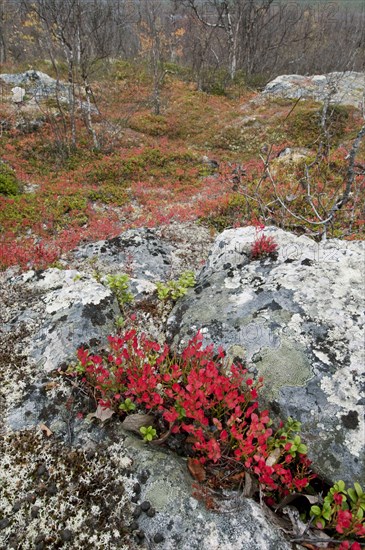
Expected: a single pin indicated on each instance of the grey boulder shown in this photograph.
(346, 88)
(298, 321)
(184, 522)
(65, 310)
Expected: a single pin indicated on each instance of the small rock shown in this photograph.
(137, 488)
(52, 489)
(18, 94)
(145, 505)
(140, 534)
(135, 499)
(151, 512)
(158, 538)
(66, 535)
(4, 523)
(137, 512)
(42, 471)
(143, 476)
(35, 511)
(134, 526)
(17, 505)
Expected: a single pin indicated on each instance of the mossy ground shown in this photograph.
(149, 168)
(52, 496)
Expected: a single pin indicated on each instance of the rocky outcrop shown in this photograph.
(347, 88)
(65, 311)
(75, 482)
(32, 86)
(298, 321)
(37, 84)
(184, 522)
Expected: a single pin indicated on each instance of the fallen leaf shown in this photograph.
(162, 438)
(101, 413)
(196, 469)
(273, 457)
(47, 432)
(237, 477)
(312, 499)
(134, 422)
(51, 385)
(250, 487)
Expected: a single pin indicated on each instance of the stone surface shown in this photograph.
(38, 84)
(44, 316)
(298, 321)
(146, 255)
(18, 94)
(155, 253)
(138, 252)
(297, 318)
(347, 88)
(64, 309)
(184, 522)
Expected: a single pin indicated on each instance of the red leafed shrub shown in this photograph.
(263, 247)
(194, 394)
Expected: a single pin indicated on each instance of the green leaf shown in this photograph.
(352, 494)
(341, 485)
(358, 489)
(360, 513)
(315, 511)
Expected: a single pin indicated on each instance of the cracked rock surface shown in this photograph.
(346, 88)
(69, 482)
(299, 322)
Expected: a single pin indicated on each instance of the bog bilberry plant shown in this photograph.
(173, 290)
(342, 510)
(148, 433)
(193, 395)
(263, 247)
(218, 412)
(119, 284)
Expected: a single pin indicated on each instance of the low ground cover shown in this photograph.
(150, 168)
(212, 411)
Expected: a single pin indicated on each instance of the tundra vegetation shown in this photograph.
(163, 121)
(153, 89)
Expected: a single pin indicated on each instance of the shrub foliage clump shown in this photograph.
(212, 411)
(9, 184)
(197, 396)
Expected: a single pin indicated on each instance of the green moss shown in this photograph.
(304, 126)
(109, 194)
(150, 124)
(9, 185)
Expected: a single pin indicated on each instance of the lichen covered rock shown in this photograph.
(185, 522)
(299, 322)
(345, 88)
(68, 310)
